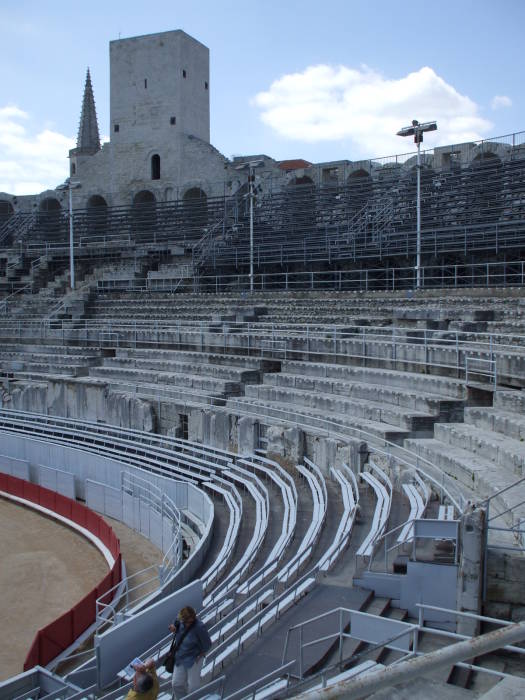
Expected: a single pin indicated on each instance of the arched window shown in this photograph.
(144, 211)
(97, 213)
(155, 167)
(195, 205)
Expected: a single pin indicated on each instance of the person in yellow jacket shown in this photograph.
(145, 682)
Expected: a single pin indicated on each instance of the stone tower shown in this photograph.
(159, 89)
(159, 130)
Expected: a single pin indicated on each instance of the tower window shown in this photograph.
(184, 73)
(155, 167)
(73, 169)
(205, 84)
(145, 83)
(173, 121)
(116, 128)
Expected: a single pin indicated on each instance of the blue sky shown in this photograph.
(292, 79)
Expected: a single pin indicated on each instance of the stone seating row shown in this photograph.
(485, 454)
(166, 361)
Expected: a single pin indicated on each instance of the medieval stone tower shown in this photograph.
(159, 124)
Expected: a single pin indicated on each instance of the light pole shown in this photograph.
(251, 165)
(69, 185)
(417, 130)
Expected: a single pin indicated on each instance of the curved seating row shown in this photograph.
(383, 490)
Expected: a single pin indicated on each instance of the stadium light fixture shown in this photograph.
(250, 166)
(417, 130)
(71, 185)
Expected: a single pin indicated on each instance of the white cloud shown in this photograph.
(30, 162)
(500, 101)
(329, 103)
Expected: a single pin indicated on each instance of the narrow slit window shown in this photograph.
(155, 167)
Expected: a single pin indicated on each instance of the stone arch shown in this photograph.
(97, 213)
(144, 197)
(407, 210)
(359, 189)
(485, 188)
(6, 210)
(301, 205)
(144, 211)
(49, 217)
(195, 209)
(50, 204)
(155, 166)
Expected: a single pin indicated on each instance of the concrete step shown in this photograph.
(317, 418)
(491, 446)
(512, 401)
(397, 416)
(496, 420)
(443, 387)
(206, 358)
(227, 373)
(448, 409)
(201, 383)
(476, 477)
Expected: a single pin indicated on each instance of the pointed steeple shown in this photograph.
(88, 140)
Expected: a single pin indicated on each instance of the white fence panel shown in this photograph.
(65, 483)
(155, 528)
(95, 496)
(14, 467)
(127, 510)
(113, 503)
(168, 532)
(144, 518)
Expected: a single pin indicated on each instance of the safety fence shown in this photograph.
(56, 637)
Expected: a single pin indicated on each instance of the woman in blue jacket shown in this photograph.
(192, 641)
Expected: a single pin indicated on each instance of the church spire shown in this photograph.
(88, 140)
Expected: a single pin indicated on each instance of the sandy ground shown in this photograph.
(45, 569)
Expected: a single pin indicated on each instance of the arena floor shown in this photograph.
(45, 569)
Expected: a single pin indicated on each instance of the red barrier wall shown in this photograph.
(60, 634)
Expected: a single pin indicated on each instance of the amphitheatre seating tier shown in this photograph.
(335, 403)
(171, 361)
(443, 387)
(316, 420)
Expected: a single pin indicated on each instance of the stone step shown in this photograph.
(494, 447)
(512, 401)
(449, 409)
(52, 359)
(331, 403)
(476, 478)
(206, 358)
(228, 373)
(440, 386)
(496, 420)
(318, 418)
(168, 379)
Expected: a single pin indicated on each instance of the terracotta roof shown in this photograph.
(294, 164)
